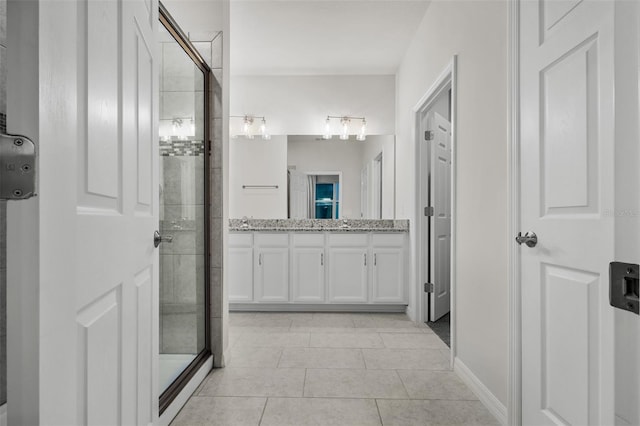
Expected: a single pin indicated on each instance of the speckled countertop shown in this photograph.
(319, 225)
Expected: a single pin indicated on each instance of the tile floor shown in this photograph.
(333, 369)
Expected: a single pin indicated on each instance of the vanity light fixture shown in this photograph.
(177, 127)
(345, 120)
(247, 126)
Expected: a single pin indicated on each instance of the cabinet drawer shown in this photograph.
(392, 240)
(244, 239)
(348, 240)
(308, 240)
(272, 240)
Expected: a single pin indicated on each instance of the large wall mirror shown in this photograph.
(306, 177)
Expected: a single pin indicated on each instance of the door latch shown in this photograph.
(624, 283)
(17, 167)
(429, 288)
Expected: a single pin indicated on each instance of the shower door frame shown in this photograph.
(168, 395)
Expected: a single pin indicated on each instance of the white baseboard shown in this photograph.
(3, 415)
(310, 307)
(174, 408)
(493, 404)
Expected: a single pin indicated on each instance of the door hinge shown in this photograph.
(428, 135)
(428, 211)
(428, 287)
(17, 167)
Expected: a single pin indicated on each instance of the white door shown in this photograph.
(364, 193)
(307, 278)
(388, 275)
(566, 190)
(240, 274)
(83, 270)
(272, 274)
(440, 221)
(348, 274)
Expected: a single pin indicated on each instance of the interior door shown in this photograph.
(566, 190)
(440, 221)
(84, 270)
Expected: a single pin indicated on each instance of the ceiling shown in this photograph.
(310, 37)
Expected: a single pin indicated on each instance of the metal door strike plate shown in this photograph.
(624, 280)
(17, 167)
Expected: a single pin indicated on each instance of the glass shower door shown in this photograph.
(183, 212)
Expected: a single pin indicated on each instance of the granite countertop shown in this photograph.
(319, 225)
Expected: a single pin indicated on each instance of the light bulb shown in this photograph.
(363, 131)
(263, 129)
(327, 130)
(345, 129)
(246, 127)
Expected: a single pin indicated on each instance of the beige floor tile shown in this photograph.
(239, 318)
(435, 385)
(249, 356)
(426, 413)
(323, 321)
(405, 359)
(412, 341)
(254, 382)
(284, 340)
(346, 340)
(260, 330)
(209, 411)
(383, 321)
(321, 358)
(320, 411)
(353, 384)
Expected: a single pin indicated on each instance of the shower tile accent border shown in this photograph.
(182, 148)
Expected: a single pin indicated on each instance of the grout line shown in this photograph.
(266, 401)
(304, 382)
(403, 384)
(280, 357)
(379, 415)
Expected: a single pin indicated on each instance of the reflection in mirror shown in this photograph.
(355, 179)
(306, 177)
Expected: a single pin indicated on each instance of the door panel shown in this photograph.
(440, 196)
(347, 274)
(308, 274)
(388, 275)
(566, 187)
(272, 275)
(91, 226)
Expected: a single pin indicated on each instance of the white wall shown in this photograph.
(477, 32)
(258, 162)
(299, 105)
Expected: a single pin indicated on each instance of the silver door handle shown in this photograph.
(365, 259)
(321, 259)
(260, 259)
(157, 239)
(530, 239)
(375, 259)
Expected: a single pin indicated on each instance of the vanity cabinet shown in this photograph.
(290, 269)
(388, 270)
(240, 270)
(308, 268)
(271, 267)
(348, 280)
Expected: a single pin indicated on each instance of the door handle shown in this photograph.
(157, 239)
(321, 259)
(365, 259)
(375, 259)
(530, 239)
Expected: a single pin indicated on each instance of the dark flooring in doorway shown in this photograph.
(442, 328)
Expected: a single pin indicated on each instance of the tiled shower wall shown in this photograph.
(177, 302)
(3, 209)
(211, 50)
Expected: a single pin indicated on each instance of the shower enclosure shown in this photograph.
(184, 210)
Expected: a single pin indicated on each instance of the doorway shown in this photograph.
(435, 156)
(184, 211)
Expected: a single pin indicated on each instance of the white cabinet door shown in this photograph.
(348, 274)
(307, 274)
(240, 274)
(388, 275)
(272, 274)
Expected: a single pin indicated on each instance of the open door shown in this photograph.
(440, 220)
(567, 153)
(82, 266)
